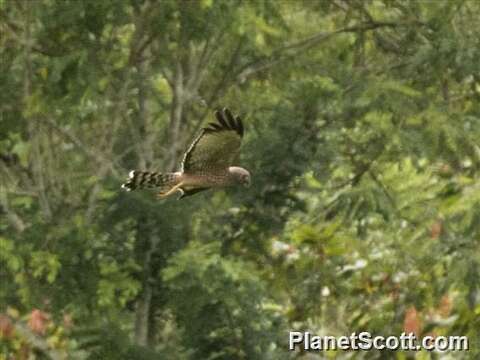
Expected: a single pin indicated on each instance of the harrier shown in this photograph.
(208, 162)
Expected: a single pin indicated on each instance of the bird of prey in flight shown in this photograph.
(209, 162)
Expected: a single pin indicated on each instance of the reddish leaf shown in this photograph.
(412, 322)
(6, 327)
(38, 321)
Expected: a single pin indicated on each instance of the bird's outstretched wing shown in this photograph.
(217, 146)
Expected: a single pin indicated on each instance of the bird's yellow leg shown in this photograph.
(171, 191)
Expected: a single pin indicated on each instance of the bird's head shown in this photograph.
(241, 176)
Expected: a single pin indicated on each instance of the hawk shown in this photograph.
(208, 162)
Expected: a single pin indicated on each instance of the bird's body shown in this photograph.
(206, 164)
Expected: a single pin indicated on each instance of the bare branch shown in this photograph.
(70, 137)
(176, 113)
(288, 51)
(136, 51)
(221, 85)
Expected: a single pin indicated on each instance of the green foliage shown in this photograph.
(362, 126)
(228, 318)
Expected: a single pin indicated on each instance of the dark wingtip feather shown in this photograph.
(230, 119)
(214, 126)
(240, 127)
(226, 121)
(221, 119)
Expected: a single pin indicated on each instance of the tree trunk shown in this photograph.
(147, 243)
(176, 116)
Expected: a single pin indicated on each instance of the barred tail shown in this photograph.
(150, 179)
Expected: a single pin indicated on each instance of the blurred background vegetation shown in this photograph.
(363, 128)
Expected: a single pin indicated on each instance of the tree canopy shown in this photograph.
(362, 137)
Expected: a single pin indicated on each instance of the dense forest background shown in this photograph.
(363, 140)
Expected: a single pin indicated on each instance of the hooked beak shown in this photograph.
(247, 183)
